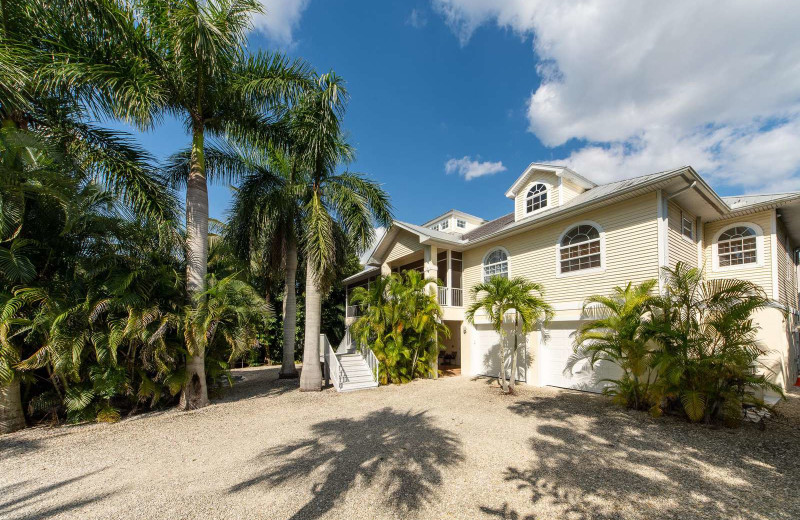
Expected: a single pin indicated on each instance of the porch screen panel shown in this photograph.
(441, 266)
(456, 267)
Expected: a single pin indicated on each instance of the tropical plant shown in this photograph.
(708, 355)
(500, 296)
(338, 212)
(204, 74)
(401, 322)
(225, 319)
(618, 332)
(263, 230)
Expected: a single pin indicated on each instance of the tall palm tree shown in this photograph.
(345, 205)
(618, 332)
(209, 79)
(263, 227)
(499, 296)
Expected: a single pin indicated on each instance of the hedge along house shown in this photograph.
(577, 239)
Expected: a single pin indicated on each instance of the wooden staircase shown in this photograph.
(346, 368)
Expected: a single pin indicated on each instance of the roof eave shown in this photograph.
(640, 189)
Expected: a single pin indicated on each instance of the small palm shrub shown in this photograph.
(708, 355)
(402, 324)
(618, 332)
(691, 350)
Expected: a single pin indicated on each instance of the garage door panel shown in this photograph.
(560, 368)
(485, 353)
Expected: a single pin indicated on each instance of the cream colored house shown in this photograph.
(578, 238)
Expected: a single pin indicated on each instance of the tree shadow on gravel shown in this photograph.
(401, 453)
(595, 461)
(18, 505)
(256, 383)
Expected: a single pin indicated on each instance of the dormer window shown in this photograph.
(461, 223)
(536, 198)
(444, 224)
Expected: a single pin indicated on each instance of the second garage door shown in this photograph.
(554, 354)
(485, 353)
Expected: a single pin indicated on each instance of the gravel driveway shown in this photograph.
(451, 448)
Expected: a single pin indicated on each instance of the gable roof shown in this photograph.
(558, 171)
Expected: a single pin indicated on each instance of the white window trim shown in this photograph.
(694, 230)
(581, 272)
(715, 267)
(548, 189)
(490, 251)
(461, 220)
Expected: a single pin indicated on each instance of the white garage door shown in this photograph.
(485, 353)
(554, 354)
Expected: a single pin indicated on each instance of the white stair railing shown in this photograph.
(372, 362)
(334, 370)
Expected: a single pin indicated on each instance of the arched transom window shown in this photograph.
(537, 198)
(495, 264)
(580, 249)
(737, 246)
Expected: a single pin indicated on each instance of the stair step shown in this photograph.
(349, 387)
(359, 378)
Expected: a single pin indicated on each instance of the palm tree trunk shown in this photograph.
(288, 370)
(11, 416)
(195, 392)
(503, 383)
(311, 375)
(512, 382)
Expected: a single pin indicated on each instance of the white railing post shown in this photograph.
(442, 291)
(456, 297)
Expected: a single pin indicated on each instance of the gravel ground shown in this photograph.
(451, 448)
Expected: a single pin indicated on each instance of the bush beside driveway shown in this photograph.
(447, 448)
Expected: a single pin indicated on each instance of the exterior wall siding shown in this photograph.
(787, 274)
(569, 191)
(405, 244)
(762, 274)
(631, 253)
(549, 179)
(679, 247)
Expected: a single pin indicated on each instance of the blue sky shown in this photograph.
(484, 84)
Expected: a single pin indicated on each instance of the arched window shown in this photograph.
(536, 198)
(580, 248)
(737, 246)
(495, 263)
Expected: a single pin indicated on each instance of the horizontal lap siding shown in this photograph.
(631, 252)
(404, 244)
(680, 248)
(786, 272)
(569, 191)
(760, 275)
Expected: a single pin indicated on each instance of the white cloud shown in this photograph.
(417, 19)
(279, 19)
(470, 169)
(649, 86)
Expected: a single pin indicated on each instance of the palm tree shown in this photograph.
(618, 332)
(708, 356)
(208, 78)
(500, 296)
(336, 207)
(263, 227)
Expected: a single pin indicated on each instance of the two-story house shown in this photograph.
(578, 239)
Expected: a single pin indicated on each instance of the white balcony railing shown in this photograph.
(450, 297)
